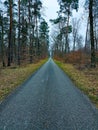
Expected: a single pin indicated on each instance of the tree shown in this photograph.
(66, 7)
(10, 33)
(19, 32)
(96, 23)
(44, 37)
(30, 28)
(79, 41)
(2, 37)
(61, 44)
(92, 5)
(93, 58)
(10, 4)
(24, 33)
(75, 31)
(36, 12)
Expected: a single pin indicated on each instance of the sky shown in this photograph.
(50, 7)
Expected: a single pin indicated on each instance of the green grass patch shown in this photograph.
(10, 78)
(86, 80)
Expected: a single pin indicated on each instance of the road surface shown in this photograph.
(48, 100)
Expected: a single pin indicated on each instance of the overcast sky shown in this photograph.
(51, 7)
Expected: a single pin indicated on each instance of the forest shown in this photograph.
(24, 33)
(26, 41)
(70, 45)
(25, 37)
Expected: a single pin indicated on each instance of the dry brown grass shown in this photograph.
(86, 79)
(12, 77)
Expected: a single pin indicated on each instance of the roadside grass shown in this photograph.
(86, 79)
(12, 77)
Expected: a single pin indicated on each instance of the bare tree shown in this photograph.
(75, 31)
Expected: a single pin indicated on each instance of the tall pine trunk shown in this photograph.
(30, 35)
(67, 42)
(2, 43)
(19, 32)
(10, 34)
(93, 58)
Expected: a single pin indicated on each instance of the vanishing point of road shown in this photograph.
(48, 100)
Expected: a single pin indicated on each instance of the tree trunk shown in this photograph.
(10, 35)
(67, 42)
(37, 38)
(30, 35)
(2, 45)
(93, 59)
(19, 32)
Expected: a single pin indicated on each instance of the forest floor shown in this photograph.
(12, 77)
(85, 78)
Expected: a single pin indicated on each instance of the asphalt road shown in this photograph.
(48, 101)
